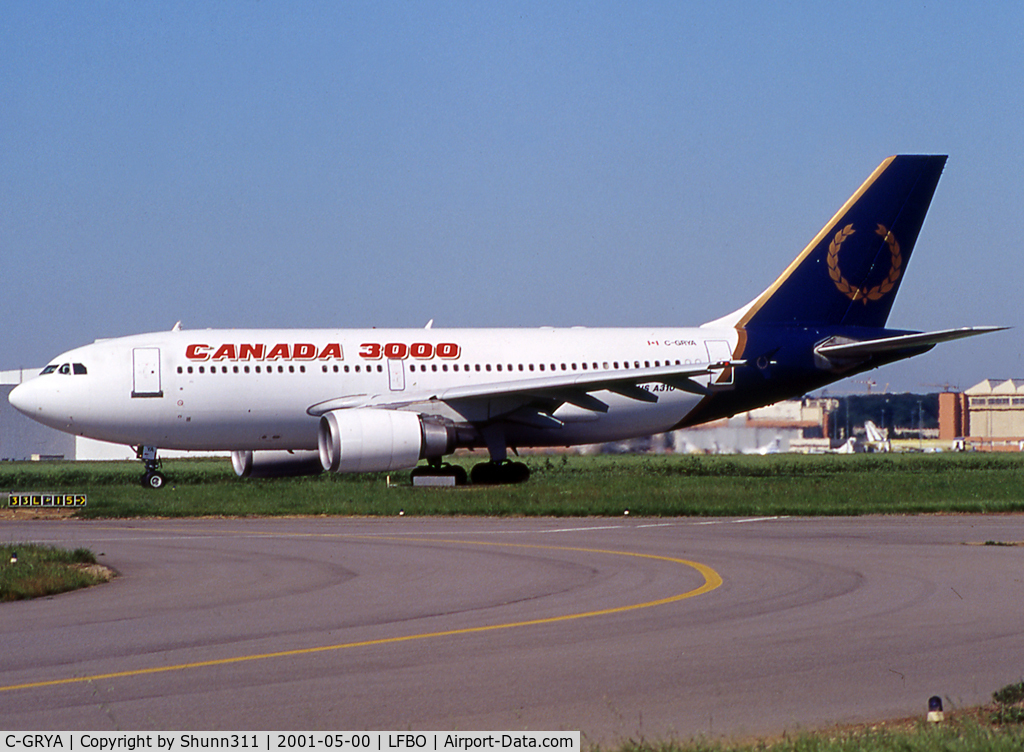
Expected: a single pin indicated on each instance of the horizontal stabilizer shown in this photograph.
(900, 342)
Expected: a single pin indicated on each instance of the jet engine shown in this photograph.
(362, 440)
(275, 463)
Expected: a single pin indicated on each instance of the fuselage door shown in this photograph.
(146, 372)
(396, 375)
(718, 351)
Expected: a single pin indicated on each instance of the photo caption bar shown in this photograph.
(273, 741)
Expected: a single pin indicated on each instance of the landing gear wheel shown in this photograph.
(461, 476)
(519, 471)
(153, 480)
(499, 473)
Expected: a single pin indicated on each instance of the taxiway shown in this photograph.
(621, 628)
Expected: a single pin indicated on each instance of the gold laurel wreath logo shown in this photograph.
(864, 294)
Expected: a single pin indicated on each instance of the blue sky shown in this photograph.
(264, 163)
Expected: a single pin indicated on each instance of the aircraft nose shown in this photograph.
(33, 398)
(23, 398)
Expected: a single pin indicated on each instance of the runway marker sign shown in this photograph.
(46, 500)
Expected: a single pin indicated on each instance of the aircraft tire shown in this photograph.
(519, 472)
(483, 474)
(499, 473)
(153, 480)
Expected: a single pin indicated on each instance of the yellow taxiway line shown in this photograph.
(712, 580)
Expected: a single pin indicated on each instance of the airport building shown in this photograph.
(987, 417)
(800, 425)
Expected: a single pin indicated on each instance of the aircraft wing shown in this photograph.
(900, 342)
(574, 388)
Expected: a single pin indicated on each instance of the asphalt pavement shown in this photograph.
(621, 628)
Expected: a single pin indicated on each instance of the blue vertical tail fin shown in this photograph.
(850, 273)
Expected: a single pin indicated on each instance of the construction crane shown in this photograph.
(867, 382)
(945, 386)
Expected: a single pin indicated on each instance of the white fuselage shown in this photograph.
(240, 389)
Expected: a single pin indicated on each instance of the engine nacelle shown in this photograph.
(365, 440)
(275, 463)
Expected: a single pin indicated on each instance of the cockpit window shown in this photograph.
(78, 369)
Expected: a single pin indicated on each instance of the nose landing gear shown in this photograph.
(152, 478)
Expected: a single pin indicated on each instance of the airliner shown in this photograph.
(298, 401)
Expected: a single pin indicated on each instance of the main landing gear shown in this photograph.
(483, 474)
(499, 473)
(152, 478)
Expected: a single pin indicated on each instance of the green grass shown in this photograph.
(562, 486)
(997, 727)
(43, 570)
(953, 736)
